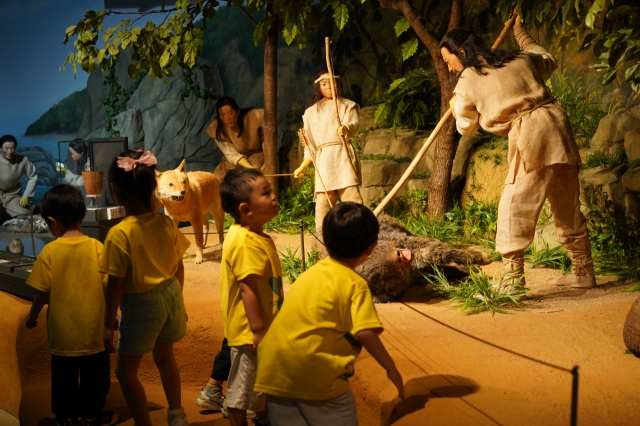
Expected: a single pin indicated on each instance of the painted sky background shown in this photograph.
(31, 48)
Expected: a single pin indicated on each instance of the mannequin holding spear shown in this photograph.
(329, 124)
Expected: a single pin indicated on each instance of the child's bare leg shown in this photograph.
(127, 372)
(237, 417)
(169, 373)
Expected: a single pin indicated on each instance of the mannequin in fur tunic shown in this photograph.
(401, 258)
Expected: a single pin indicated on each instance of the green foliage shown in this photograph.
(421, 176)
(580, 96)
(441, 229)
(64, 117)
(615, 237)
(554, 258)
(117, 99)
(159, 49)
(296, 204)
(292, 263)
(478, 220)
(478, 293)
(611, 29)
(598, 158)
(412, 101)
(417, 201)
(385, 157)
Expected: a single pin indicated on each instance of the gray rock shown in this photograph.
(613, 127)
(631, 184)
(466, 147)
(546, 234)
(632, 144)
(365, 119)
(44, 162)
(129, 124)
(611, 181)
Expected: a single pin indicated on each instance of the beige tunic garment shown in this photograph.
(514, 101)
(10, 174)
(332, 161)
(248, 145)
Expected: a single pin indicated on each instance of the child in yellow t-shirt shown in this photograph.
(143, 258)
(66, 277)
(250, 285)
(306, 358)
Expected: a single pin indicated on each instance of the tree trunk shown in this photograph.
(270, 123)
(447, 140)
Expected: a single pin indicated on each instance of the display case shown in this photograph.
(18, 252)
(87, 168)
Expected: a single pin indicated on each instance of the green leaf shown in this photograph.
(258, 33)
(341, 16)
(409, 48)
(380, 114)
(587, 41)
(164, 59)
(631, 72)
(609, 77)
(628, 352)
(289, 34)
(401, 26)
(396, 83)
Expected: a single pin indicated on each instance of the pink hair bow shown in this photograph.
(128, 164)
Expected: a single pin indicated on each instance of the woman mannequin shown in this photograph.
(12, 167)
(323, 130)
(77, 162)
(238, 133)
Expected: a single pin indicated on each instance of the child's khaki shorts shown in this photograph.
(242, 378)
(339, 411)
(155, 315)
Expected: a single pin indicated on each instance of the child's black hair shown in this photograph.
(236, 188)
(349, 229)
(137, 184)
(65, 204)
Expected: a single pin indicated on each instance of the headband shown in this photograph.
(325, 76)
(128, 164)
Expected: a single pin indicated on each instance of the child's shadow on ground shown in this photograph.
(418, 391)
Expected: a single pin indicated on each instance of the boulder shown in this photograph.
(486, 173)
(405, 144)
(631, 330)
(129, 124)
(631, 185)
(378, 177)
(546, 234)
(466, 146)
(613, 127)
(632, 144)
(611, 180)
(365, 119)
(44, 162)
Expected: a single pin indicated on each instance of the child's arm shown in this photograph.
(114, 294)
(248, 292)
(39, 300)
(370, 340)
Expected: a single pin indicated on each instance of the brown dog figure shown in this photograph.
(192, 196)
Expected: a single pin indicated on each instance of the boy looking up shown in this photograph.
(306, 358)
(250, 285)
(66, 276)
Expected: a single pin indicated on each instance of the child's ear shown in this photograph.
(244, 209)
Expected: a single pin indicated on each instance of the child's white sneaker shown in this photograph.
(214, 401)
(177, 417)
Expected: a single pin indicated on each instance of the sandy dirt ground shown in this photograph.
(458, 370)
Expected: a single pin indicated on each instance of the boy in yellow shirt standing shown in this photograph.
(66, 277)
(306, 358)
(250, 285)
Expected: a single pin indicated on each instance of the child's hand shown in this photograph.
(396, 378)
(257, 338)
(32, 322)
(108, 340)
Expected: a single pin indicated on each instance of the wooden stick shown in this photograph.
(303, 139)
(335, 103)
(507, 26)
(286, 174)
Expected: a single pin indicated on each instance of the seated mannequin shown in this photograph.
(12, 201)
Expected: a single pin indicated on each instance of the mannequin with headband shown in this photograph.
(323, 130)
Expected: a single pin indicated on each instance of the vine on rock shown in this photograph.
(117, 99)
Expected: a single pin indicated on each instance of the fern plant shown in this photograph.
(412, 101)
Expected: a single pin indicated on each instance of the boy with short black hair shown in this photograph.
(66, 277)
(306, 358)
(250, 285)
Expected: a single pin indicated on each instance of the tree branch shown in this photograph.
(245, 13)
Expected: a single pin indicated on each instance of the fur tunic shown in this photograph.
(233, 147)
(514, 101)
(12, 171)
(320, 125)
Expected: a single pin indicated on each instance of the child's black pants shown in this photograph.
(79, 384)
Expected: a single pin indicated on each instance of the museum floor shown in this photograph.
(451, 379)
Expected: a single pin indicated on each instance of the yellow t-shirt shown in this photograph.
(308, 352)
(145, 250)
(247, 253)
(67, 269)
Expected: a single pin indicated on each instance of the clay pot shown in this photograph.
(93, 182)
(631, 331)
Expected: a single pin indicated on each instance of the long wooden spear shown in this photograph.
(507, 27)
(335, 103)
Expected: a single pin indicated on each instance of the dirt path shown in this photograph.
(451, 379)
